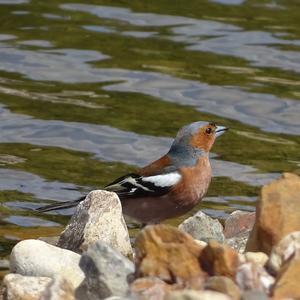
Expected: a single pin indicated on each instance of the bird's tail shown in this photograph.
(60, 205)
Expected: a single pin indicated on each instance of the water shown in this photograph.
(89, 91)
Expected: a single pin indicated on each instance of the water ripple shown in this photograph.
(105, 142)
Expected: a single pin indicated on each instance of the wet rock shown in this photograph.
(171, 255)
(202, 227)
(259, 258)
(287, 283)
(254, 295)
(18, 287)
(238, 222)
(149, 288)
(97, 218)
(277, 213)
(58, 289)
(251, 276)
(107, 273)
(196, 295)
(223, 285)
(219, 260)
(281, 253)
(37, 258)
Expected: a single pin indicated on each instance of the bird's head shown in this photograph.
(197, 136)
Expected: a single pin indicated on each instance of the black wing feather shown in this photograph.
(133, 186)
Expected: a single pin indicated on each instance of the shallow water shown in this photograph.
(89, 91)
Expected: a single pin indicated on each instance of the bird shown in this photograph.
(169, 186)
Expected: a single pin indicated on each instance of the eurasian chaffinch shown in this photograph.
(170, 186)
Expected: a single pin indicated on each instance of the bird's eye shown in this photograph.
(208, 130)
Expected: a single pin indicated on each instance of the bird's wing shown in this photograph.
(134, 185)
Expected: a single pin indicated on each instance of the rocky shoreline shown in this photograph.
(253, 256)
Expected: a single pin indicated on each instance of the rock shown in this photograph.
(281, 253)
(223, 285)
(58, 289)
(202, 244)
(171, 255)
(97, 218)
(254, 295)
(277, 213)
(238, 222)
(219, 260)
(259, 258)
(37, 258)
(18, 287)
(149, 288)
(238, 242)
(251, 276)
(287, 282)
(196, 295)
(117, 298)
(107, 273)
(202, 227)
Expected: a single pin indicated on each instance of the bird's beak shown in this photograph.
(220, 130)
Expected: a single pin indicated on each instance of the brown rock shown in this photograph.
(149, 288)
(219, 259)
(171, 255)
(287, 283)
(251, 276)
(223, 285)
(238, 222)
(277, 213)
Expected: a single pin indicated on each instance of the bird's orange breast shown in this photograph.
(194, 183)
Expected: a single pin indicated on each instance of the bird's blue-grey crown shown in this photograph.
(182, 149)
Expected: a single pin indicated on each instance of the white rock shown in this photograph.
(202, 227)
(18, 287)
(97, 218)
(107, 273)
(259, 258)
(196, 295)
(37, 258)
(283, 251)
(251, 276)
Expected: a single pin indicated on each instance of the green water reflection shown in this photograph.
(89, 43)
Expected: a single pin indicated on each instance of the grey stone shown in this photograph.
(202, 227)
(37, 258)
(58, 289)
(97, 218)
(107, 273)
(254, 295)
(18, 287)
(196, 295)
